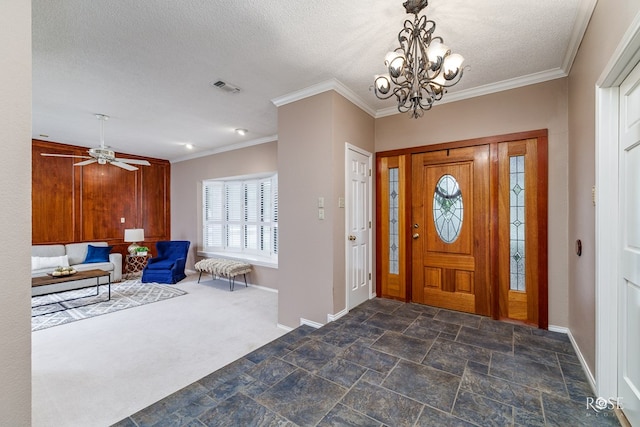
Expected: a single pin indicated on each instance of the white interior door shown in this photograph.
(358, 212)
(629, 302)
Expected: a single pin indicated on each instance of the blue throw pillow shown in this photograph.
(97, 254)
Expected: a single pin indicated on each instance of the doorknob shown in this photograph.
(352, 237)
(416, 235)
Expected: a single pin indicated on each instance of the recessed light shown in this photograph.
(241, 131)
(189, 146)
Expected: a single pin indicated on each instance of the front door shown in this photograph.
(450, 229)
(629, 303)
(358, 212)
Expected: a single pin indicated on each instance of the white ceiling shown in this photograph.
(149, 64)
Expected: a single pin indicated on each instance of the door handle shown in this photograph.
(416, 235)
(352, 237)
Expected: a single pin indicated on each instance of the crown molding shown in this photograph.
(327, 85)
(515, 83)
(226, 148)
(583, 16)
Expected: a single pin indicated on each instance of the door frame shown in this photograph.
(346, 218)
(542, 152)
(608, 239)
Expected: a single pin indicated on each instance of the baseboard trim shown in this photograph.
(333, 317)
(311, 323)
(583, 362)
(264, 288)
(286, 328)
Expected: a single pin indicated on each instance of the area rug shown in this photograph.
(127, 294)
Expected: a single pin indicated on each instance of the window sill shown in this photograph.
(251, 259)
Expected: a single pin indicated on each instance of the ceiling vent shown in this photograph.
(227, 87)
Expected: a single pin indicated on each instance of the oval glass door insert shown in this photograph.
(447, 208)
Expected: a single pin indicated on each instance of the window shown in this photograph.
(241, 215)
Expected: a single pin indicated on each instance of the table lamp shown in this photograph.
(133, 235)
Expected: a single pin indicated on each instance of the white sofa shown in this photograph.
(76, 252)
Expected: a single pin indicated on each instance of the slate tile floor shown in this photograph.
(387, 363)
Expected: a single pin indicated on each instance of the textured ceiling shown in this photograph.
(149, 64)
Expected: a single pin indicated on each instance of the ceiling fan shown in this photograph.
(103, 155)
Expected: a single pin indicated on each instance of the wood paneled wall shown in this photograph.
(86, 203)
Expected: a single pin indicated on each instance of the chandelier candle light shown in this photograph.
(421, 68)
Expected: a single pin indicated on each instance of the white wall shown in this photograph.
(15, 215)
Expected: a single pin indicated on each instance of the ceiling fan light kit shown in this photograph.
(420, 69)
(102, 155)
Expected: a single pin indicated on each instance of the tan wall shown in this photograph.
(540, 106)
(606, 28)
(15, 215)
(306, 243)
(186, 194)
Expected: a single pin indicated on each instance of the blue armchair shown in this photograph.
(168, 266)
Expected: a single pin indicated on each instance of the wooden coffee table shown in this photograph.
(80, 275)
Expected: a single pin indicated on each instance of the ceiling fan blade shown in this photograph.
(64, 155)
(133, 161)
(124, 166)
(85, 162)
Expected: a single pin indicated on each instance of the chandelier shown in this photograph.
(421, 68)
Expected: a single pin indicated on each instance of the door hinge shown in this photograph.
(369, 224)
(369, 172)
(369, 276)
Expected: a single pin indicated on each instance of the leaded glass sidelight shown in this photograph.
(517, 223)
(393, 221)
(447, 208)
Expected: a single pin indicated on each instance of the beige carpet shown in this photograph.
(97, 371)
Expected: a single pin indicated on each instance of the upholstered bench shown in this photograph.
(219, 267)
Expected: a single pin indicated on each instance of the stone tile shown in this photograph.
(503, 391)
(407, 311)
(526, 372)
(418, 330)
(271, 371)
(240, 410)
(388, 322)
(444, 361)
(495, 326)
(194, 409)
(329, 327)
(568, 358)
(461, 350)
(363, 330)
(302, 398)
(342, 337)
(373, 377)
(463, 319)
(369, 358)
(427, 324)
(424, 384)
(276, 348)
(536, 354)
(400, 345)
(559, 336)
(431, 417)
(573, 372)
(226, 373)
(342, 372)
(486, 339)
(382, 405)
(235, 385)
(485, 412)
(313, 355)
(562, 412)
(478, 367)
(425, 310)
(382, 305)
(446, 336)
(297, 334)
(127, 422)
(340, 416)
(579, 391)
(543, 342)
(522, 418)
(165, 407)
(358, 315)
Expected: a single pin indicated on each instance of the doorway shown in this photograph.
(465, 227)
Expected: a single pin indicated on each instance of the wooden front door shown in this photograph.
(451, 215)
